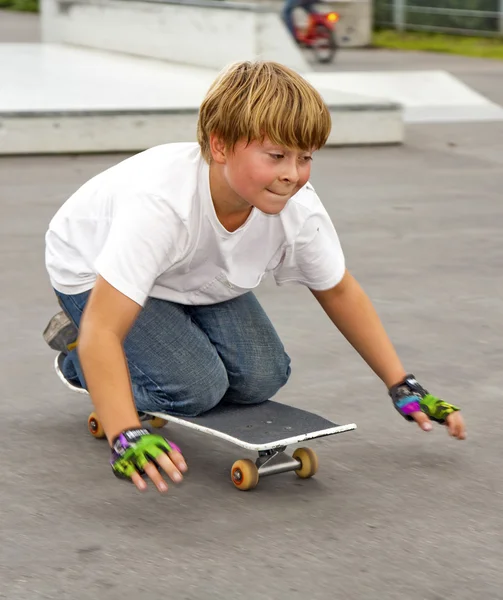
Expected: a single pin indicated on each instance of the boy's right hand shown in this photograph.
(415, 403)
(134, 452)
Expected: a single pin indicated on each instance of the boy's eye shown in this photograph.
(277, 156)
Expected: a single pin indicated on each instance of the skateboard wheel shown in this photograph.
(157, 422)
(244, 474)
(308, 462)
(95, 427)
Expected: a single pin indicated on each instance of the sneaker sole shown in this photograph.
(59, 373)
(60, 333)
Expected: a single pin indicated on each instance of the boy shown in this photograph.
(155, 260)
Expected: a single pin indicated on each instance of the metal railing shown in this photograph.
(466, 17)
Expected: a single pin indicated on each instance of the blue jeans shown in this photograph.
(184, 360)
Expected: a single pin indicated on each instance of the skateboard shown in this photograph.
(267, 428)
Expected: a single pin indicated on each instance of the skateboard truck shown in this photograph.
(245, 473)
(271, 462)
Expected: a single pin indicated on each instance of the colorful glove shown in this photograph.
(134, 448)
(408, 397)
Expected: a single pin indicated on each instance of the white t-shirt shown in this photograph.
(148, 226)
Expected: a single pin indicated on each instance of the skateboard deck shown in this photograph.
(267, 428)
(264, 426)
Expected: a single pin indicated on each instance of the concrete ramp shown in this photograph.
(49, 77)
(57, 99)
(426, 96)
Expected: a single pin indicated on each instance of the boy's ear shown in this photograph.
(218, 149)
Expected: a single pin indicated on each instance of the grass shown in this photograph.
(20, 5)
(439, 42)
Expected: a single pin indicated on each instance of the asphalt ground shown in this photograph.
(394, 512)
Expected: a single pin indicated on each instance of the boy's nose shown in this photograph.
(291, 173)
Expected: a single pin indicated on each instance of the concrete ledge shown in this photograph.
(62, 133)
(426, 96)
(53, 132)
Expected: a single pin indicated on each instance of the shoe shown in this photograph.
(73, 384)
(60, 333)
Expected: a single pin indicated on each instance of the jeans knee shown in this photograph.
(207, 392)
(262, 381)
(188, 399)
(281, 373)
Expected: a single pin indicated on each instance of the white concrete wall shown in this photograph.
(354, 30)
(209, 35)
(39, 133)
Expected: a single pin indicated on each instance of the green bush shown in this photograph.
(21, 5)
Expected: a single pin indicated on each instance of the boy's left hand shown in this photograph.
(414, 403)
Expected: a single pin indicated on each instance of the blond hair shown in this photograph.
(251, 100)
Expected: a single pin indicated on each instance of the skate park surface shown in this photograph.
(394, 512)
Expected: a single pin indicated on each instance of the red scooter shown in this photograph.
(319, 35)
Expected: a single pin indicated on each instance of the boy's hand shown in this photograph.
(134, 452)
(414, 403)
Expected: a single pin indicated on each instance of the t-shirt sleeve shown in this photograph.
(143, 241)
(315, 258)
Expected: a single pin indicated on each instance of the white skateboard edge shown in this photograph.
(256, 447)
(229, 438)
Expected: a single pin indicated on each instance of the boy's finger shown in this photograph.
(138, 481)
(164, 461)
(156, 477)
(456, 426)
(422, 420)
(177, 458)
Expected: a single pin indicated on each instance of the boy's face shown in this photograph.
(266, 175)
